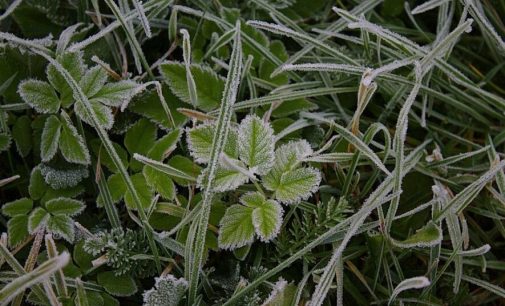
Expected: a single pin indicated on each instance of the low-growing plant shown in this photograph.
(286, 152)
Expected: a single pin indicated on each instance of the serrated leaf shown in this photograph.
(296, 185)
(18, 207)
(65, 206)
(116, 94)
(68, 177)
(5, 141)
(165, 145)
(200, 142)
(17, 229)
(73, 63)
(37, 186)
(102, 112)
(209, 85)
(123, 285)
(236, 227)
(256, 144)
(140, 137)
(428, 236)
(167, 291)
(22, 135)
(267, 220)
(39, 95)
(72, 145)
(104, 157)
(50, 138)
(160, 182)
(282, 294)
(63, 226)
(144, 192)
(226, 178)
(117, 188)
(93, 81)
(37, 220)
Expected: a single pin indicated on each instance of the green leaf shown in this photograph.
(18, 207)
(50, 138)
(165, 145)
(266, 67)
(116, 94)
(5, 141)
(226, 178)
(63, 226)
(93, 81)
(148, 105)
(103, 113)
(160, 182)
(256, 144)
(428, 236)
(167, 291)
(209, 86)
(104, 157)
(200, 142)
(17, 229)
(72, 145)
(37, 220)
(22, 134)
(73, 63)
(296, 185)
(186, 166)
(236, 227)
(65, 206)
(283, 294)
(37, 186)
(117, 188)
(144, 192)
(266, 217)
(123, 285)
(140, 137)
(39, 95)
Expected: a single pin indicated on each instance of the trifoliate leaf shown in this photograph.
(102, 112)
(72, 145)
(296, 185)
(236, 227)
(209, 86)
(167, 291)
(22, 135)
(50, 138)
(63, 226)
(5, 141)
(37, 220)
(65, 206)
(200, 142)
(256, 144)
(39, 95)
(17, 229)
(143, 191)
(116, 94)
(18, 207)
(93, 80)
(74, 64)
(123, 285)
(428, 236)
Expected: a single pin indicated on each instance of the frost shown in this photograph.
(200, 139)
(50, 138)
(407, 284)
(39, 95)
(72, 144)
(324, 67)
(277, 290)
(93, 80)
(142, 17)
(428, 5)
(167, 291)
(64, 178)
